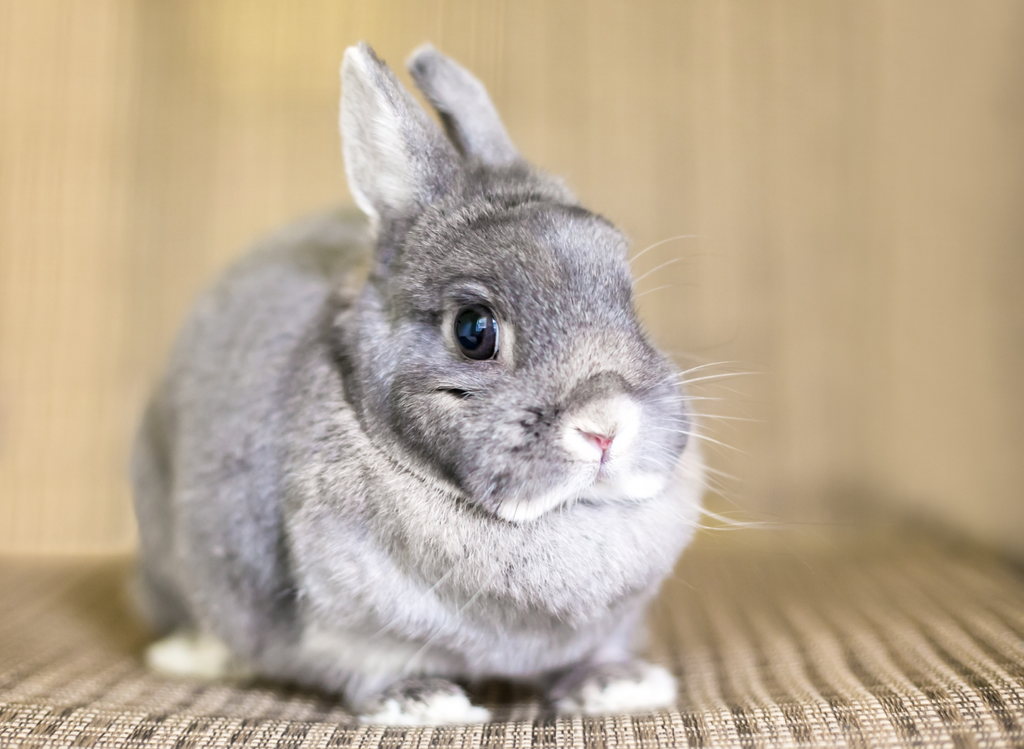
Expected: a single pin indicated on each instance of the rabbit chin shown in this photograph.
(634, 486)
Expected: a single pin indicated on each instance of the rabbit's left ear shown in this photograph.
(397, 160)
(465, 108)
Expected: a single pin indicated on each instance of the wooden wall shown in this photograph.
(853, 172)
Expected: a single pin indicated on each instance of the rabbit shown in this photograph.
(397, 453)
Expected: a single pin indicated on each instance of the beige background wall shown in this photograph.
(854, 173)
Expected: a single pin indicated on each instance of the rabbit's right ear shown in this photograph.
(396, 158)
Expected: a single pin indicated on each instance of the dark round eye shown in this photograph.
(476, 332)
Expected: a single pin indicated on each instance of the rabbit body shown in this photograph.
(326, 486)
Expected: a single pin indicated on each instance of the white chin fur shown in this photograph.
(631, 487)
(619, 416)
(524, 510)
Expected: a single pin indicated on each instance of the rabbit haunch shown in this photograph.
(330, 488)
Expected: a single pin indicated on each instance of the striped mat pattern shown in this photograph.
(905, 643)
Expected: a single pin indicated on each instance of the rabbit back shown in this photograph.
(207, 460)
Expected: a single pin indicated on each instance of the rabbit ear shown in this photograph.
(396, 158)
(468, 114)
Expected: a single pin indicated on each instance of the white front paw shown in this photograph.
(423, 702)
(193, 654)
(617, 688)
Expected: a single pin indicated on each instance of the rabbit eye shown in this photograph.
(476, 332)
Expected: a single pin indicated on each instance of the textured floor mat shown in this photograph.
(892, 643)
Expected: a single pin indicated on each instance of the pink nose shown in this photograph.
(600, 440)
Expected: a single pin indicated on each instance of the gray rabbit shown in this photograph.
(430, 448)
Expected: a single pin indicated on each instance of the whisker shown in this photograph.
(710, 364)
(700, 415)
(659, 244)
(651, 291)
(458, 613)
(723, 474)
(425, 593)
(744, 397)
(735, 523)
(656, 268)
(727, 524)
(685, 355)
(718, 377)
(701, 437)
(681, 398)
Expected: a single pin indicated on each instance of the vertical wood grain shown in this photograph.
(64, 209)
(846, 177)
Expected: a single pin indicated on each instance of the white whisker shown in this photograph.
(728, 418)
(425, 593)
(663, 241)
(710, 364)
(701, 437)
(718, 377)
(651, 291)
(655, 269)
(458, 613)
(723, 474)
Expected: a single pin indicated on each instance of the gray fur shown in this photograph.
(318, 477)
(466, 111)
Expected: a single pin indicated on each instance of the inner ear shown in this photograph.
(396, 158)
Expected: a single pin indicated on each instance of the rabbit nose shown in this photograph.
(603, 442)
(609, 424)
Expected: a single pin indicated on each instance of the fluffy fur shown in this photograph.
(324, 483)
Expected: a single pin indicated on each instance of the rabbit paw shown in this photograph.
(423, 702)
(615, 688)
(193, 654)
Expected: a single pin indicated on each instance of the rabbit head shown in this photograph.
(495, 341)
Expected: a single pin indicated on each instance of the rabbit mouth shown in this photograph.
(603, 444)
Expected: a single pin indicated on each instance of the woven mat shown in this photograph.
(885, 644)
